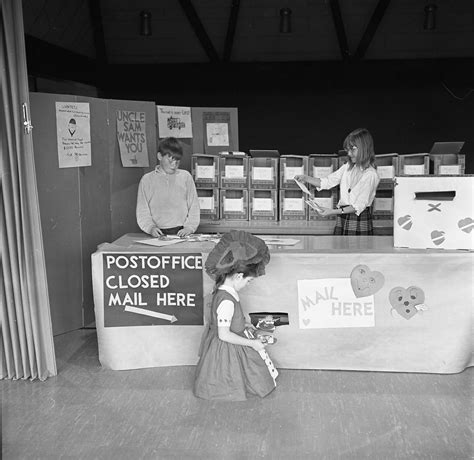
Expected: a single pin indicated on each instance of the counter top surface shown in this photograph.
(306, 244)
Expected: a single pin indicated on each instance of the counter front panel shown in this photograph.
(331, 324)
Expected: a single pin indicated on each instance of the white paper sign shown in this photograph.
(206, 202)
(131, 136)
(174, 121)
(414, 170)
(383, 204)
(234, 172)
(324, 202)
(293, 204)
(385, 172)
(450, 169)
(205, 172)
(322, 171)
(262, 204)
(291, 172)
(331, 303)
(217, 134)
(73, 134)
(233, 204)
(261, 173)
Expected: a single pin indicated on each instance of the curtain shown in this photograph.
(27, 348)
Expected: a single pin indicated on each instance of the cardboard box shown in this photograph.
(387, 166)
(321, 165)
(263, 204)
(234, 204)
(434, 212)
(291, 166)
(414, 164)
(325, 198)
(451, 164)
(209, 203)
(263, 173)
(234, 171)
(205, 170)
(382, 207)
(292, 205)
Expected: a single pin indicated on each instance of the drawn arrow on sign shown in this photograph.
(155, 314)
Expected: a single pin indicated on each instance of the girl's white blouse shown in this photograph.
(357, 186)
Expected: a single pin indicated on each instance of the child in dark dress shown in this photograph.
(232, 366)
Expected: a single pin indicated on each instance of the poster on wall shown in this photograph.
(73, 134)
(131, 136)
(174, 122)
(153, 289)
(332, 303)
(217, 131)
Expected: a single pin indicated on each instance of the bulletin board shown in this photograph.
(223, 119)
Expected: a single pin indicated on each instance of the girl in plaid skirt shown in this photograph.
(358, 181)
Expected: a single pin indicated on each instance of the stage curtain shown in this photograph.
(27, 348)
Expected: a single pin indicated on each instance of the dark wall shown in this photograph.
(304, 108)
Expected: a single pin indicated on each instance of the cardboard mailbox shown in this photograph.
(434, 212)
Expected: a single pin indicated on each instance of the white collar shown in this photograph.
(231, 291)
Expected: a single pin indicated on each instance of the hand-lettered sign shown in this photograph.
(331, 303)
(152, 289)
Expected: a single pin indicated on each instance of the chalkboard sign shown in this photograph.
(152, 289)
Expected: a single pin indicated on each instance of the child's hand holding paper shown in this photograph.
(302, 186)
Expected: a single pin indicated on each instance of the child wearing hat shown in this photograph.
(232, 366)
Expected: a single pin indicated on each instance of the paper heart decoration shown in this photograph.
(405, 222)
(365, 282)
(437, 237)
(466, 224)
(404, 301)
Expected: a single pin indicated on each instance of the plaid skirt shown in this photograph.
(352, 224)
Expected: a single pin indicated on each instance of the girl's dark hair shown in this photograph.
(253, 270)
(172, 147)
(362, 139)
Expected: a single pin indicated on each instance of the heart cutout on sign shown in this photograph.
(366, 282)
(466, 225)
(405, 222)
(404, 301)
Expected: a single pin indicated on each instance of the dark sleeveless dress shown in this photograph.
(226, 371)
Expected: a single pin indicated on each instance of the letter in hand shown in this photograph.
(325, 212)
(300, 178)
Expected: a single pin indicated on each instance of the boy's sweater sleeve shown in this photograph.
(194, 211)
(144, 219)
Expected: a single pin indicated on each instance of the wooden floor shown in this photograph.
(87, 412)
